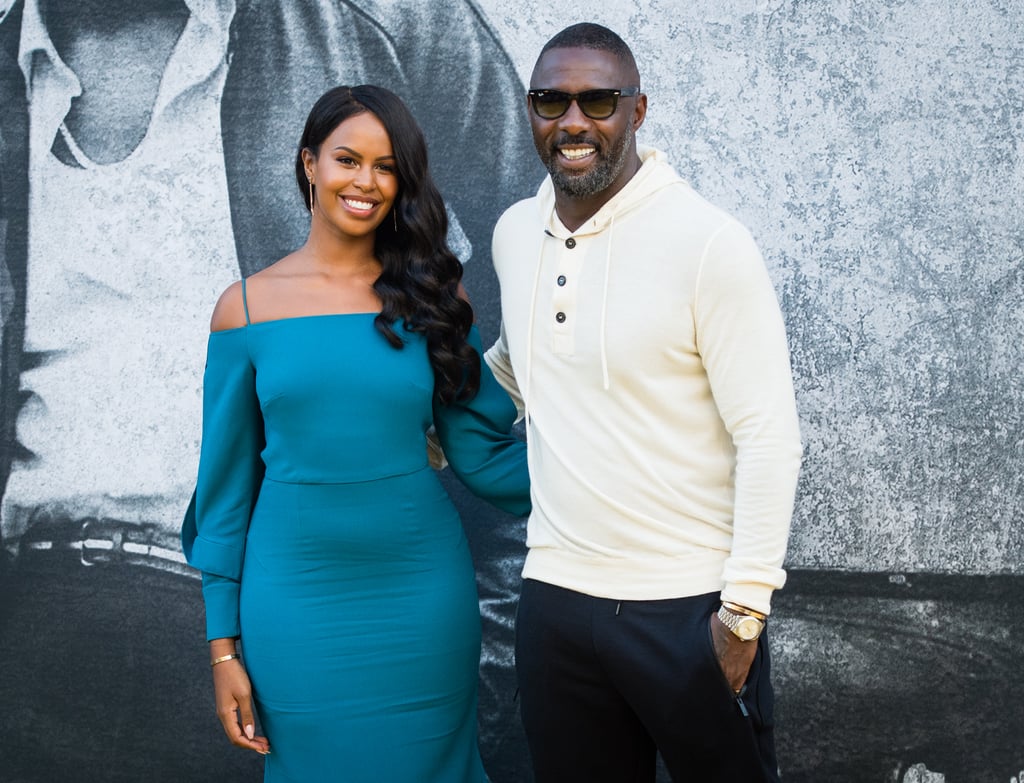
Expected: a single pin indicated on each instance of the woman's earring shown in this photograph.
(310, 197)
(394, 215)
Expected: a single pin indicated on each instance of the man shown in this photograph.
(643, 340)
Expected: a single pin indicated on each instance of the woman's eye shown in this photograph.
(387, 168)
(346, 161)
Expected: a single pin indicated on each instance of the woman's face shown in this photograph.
(354, 176)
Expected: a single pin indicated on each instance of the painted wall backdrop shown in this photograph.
(876, 151)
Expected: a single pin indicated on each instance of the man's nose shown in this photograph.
(574, 120)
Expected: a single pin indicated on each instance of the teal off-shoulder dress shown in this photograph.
(327, 543)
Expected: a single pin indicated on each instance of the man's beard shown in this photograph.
(598, 178)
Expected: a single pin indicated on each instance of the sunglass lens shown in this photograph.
(598, 104)
(550, 105)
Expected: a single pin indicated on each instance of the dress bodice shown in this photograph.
(339, 403)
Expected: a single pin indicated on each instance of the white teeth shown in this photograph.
(577, 154)
(359, 204)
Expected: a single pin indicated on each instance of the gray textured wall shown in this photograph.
(875, 149)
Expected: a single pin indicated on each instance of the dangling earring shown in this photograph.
(394, 215)
(310, 197)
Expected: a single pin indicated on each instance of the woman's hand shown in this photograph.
(234, 705)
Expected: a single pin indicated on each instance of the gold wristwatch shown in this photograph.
(746, 624)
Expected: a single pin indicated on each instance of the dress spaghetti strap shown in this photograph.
(245, 303)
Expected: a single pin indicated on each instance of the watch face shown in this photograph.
(748, 628)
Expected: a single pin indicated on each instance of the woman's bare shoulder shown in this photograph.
(229, 312)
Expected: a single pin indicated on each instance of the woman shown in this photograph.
(326, 542)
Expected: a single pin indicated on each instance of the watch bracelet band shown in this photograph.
(737, 609)
(734, 620)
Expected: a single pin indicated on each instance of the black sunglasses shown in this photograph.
(596, 104)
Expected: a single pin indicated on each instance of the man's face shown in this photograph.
(586, 157)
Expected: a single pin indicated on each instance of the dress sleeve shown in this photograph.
(481, 448)
(230, 472)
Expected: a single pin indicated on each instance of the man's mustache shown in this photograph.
(567, 140)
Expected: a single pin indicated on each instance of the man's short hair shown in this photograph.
(587, 35)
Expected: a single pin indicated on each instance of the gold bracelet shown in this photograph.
(223, 658)
(737, 609)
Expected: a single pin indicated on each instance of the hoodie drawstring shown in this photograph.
(604, 306)
(529, 335)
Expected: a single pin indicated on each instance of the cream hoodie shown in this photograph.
(648, 354)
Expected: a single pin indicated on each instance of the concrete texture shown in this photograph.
(875, 149)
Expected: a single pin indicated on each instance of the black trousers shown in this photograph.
(605, 685)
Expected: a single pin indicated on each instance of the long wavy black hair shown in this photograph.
(420, 276)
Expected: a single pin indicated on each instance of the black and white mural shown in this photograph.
(876, 151)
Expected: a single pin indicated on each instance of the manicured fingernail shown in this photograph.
(249, 732)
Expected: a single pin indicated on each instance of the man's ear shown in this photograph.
(640, 112)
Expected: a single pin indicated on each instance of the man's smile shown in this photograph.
(577, 153)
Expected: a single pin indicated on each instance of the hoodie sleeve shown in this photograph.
(481, 449)
(498, 360)
(742, 341)
(230, 472)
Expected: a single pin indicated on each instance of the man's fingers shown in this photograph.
(734, 656)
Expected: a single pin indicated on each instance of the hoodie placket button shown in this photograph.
(570, 243)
